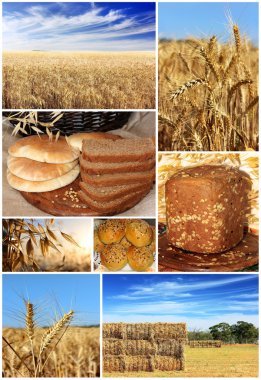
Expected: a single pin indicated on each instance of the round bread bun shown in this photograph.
(77, 138)
(114, 257)
(98, 245)
(152, 245)
(140, 259)
(41, 186)
(125, 243)
(37, 171)
(112, 231)
(139, 233)
(40, 148)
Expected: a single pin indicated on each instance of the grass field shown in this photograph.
(81, 80)
(228, 361)
(208, 94)
(76, 355)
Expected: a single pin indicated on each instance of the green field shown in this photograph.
(227, 361)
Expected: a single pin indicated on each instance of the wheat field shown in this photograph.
(208, 94)
(228, 361)
(76, 355)
(78, 80)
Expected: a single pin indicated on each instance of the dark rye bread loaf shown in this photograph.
(110, 193)
(137, 149)
(119, 178)
(116, 167)
(116, 206)
(206, 208)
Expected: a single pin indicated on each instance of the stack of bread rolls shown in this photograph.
(38, 164)
(116, 174)
(125, 241)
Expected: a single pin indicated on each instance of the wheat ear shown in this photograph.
(52, 332)
(237, 38)
(29, 321)
(237, 86)
(186, 86)
(209, 62)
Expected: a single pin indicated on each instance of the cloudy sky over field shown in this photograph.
(199, 300)
(78, 26)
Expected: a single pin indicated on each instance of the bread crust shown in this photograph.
(114, 257)
(43, 150)
(139, 233)
(140, 258)
(98, 245)
(112, 231)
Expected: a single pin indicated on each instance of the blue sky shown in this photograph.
(199, 300)
(79, 26)
(182, 20)
(50, 292)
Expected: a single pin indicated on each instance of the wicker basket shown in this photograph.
(73, 122)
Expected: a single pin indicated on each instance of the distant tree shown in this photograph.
(222, 331)
(244, 332)
(199, 335)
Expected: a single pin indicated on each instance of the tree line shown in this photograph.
(241, 332)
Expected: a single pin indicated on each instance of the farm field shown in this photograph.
(82, 80)
(76, 355)
(228, 361)
(208, 94)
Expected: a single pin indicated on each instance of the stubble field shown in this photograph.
(94, 80)
(227, 361)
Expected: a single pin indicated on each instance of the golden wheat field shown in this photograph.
(227, 361)
(76, 355)
(208, 94)
(93, 80)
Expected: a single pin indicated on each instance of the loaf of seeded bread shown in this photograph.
(206, 208)
(137, 149)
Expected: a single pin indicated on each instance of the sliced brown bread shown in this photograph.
(137, 149)
(116, 206)
(113, 167)
(119, 178)
(110, 193)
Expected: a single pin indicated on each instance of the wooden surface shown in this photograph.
(58, 203)
(173, 259)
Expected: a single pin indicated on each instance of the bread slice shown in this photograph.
(110, 193)
(119, 178)
(137, 149)
(115, 206)
(119, 167)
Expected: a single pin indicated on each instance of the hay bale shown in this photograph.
(128, 347)
(139, 363)
(113, 330)
(113, 346)
(168, 363)
(205, 343)
(113, 363)
(153, 331)
(170, 347)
